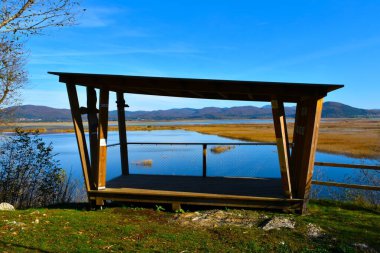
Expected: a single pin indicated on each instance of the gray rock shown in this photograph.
(314, 231)
(6, 207)
(216, 218)
(279, 222)
(16, 223)
(361, 246)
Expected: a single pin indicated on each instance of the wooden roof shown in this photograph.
(199, 88)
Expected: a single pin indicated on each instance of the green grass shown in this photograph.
(127, 229)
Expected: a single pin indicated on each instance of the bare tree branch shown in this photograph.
(33, 16)
(12, 73)
(24, 7)
(20, 19)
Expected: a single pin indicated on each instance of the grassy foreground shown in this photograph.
(128, 229)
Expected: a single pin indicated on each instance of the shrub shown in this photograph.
(365, 197)
(30, 176)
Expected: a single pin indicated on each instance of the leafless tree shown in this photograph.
(19, 20)
(34, 16)
(12, 72)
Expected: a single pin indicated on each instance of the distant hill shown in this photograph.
(37, 113)
(338, 110)
(330, 110)
(204, 113)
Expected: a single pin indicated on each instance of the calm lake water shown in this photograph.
(240, 161)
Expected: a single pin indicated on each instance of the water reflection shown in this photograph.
(242, 161)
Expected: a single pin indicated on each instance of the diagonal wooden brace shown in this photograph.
(282, 142)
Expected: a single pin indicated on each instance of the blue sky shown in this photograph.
(311, 41)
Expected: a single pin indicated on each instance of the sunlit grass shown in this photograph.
(131, 229)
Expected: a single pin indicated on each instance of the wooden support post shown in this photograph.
(99, 202)
(92, 119)
(305, 143)
(204, 174)
(282, 141)
(297, 138)
(79, 133)
(122, 133)
(176, 206)
(102, 136)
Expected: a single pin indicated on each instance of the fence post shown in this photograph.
(204, 160)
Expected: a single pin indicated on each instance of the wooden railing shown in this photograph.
(315, 182)
(204, 146)
(344, 185)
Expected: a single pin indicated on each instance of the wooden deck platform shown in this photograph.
(211, 191)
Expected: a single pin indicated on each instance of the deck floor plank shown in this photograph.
(255, 187)
(211, 191)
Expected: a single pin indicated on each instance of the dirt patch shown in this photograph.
(218, 218)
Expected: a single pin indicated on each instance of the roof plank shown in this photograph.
(200, 88)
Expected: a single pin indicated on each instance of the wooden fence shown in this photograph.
(344, 185)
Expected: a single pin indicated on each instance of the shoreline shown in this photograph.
(358, 138)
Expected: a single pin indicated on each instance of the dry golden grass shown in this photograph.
(357, 138)
(246, 132)
(353, 137)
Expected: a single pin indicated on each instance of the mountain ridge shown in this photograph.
(330, 110)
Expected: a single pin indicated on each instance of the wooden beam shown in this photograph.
(293, 163)
(351, 166)
(305, 143)
(351, 186)
(80, 136)
(102, 139)
(282, 141)
(197, 94)
(289, 92)
(92, 126)
(222, 95)
(204, 160)
(122, 133)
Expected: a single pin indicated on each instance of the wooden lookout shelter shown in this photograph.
(296, 157)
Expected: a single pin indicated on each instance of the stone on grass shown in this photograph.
(216, 218)
(16, 223)
(364, 247)
(361, 246)
(279, 222)
(314, 231)
(6, 207)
